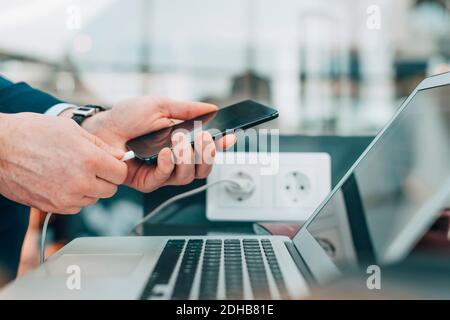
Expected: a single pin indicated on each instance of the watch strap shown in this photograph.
(80, 117)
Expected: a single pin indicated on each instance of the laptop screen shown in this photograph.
(389, 199)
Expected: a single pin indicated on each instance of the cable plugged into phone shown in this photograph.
(239, 186)
(128, 156)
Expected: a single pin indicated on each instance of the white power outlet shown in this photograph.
(290, 193)
(297, 187)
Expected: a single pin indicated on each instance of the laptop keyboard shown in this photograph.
(233, 259)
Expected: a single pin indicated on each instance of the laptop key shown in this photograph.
(256, 269)
(210, 269)
(233, 270)
(163, 269)
(275, 269)
(187, 271)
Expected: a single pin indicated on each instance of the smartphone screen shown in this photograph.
(242, 115)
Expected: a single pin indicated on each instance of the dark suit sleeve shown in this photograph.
(20, 97)
(13, 226)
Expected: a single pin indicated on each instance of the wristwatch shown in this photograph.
(81, 113)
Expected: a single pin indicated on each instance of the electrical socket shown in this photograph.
(297, 186)
(290, 193)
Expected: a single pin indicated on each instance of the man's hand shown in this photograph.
(52, 164)
(135, 117)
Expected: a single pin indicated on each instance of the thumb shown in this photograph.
(115, 152)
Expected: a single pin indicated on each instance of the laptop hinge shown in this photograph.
(300, 263)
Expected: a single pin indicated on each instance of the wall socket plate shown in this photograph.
(297, 183)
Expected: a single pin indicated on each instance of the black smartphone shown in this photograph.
(241, 115)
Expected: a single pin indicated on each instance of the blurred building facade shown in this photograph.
(329, 66)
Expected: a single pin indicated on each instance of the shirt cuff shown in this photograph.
(59, 108)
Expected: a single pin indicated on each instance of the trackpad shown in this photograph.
(95, 265)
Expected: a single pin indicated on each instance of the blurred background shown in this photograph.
(330, 67)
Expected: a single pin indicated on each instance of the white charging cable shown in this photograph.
(43, 236)
(235, 184)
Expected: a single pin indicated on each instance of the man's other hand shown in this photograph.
(54, 165)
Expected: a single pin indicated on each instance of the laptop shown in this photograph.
(375, 215)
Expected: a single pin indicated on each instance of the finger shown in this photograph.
(205, 149)
(147, 178)
(70, 210)
(88, 201)
(226, 142)
(107, 165)
(184, 159)
(101, 189)
(164, 167)
(184, 110)
(115, 152)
